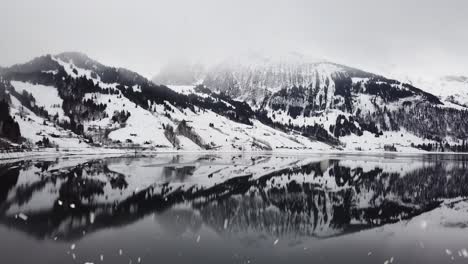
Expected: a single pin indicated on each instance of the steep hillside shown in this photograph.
(452, 89)
(352, 105)
(71, 98)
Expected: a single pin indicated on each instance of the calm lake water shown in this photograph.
(235, 209)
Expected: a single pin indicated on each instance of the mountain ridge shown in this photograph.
(321, 106)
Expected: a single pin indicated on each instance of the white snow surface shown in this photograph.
(69, 67)
(140, 127)
(34, 128)
(45, 96)
(225, 135)
(452, 91)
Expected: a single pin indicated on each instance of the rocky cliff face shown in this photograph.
(299, 93)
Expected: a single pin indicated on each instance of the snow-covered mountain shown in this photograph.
(71, 101)
(452, 89)
(350, 104)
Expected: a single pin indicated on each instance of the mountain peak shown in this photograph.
(73, 54)
(79, 59)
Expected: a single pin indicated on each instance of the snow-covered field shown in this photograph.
(35, 128)
(46, 96)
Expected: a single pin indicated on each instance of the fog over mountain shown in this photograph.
(411, 38)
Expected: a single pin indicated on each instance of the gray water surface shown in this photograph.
(235, 209)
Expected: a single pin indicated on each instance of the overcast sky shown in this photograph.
(414, 37)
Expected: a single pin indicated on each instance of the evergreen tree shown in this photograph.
(9, 128)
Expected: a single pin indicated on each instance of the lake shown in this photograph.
(235, 208)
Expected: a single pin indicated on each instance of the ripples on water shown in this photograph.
(235, 209)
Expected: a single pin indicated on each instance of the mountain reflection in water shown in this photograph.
(253, 199)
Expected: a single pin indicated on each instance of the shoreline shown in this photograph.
(49, 153)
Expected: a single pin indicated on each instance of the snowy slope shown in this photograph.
(46, 96)
(147, 126)
(35, 128)
(253, 80)
(144, 126)
(452, 89)
(140, 127)
(298, 91)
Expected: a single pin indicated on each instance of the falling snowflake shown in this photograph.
(23, 216)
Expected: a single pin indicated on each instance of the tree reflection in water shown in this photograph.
(318, 198)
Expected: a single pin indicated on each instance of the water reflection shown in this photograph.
(237, 196)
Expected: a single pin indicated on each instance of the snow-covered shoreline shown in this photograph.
(54, 153)
(128, 151)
